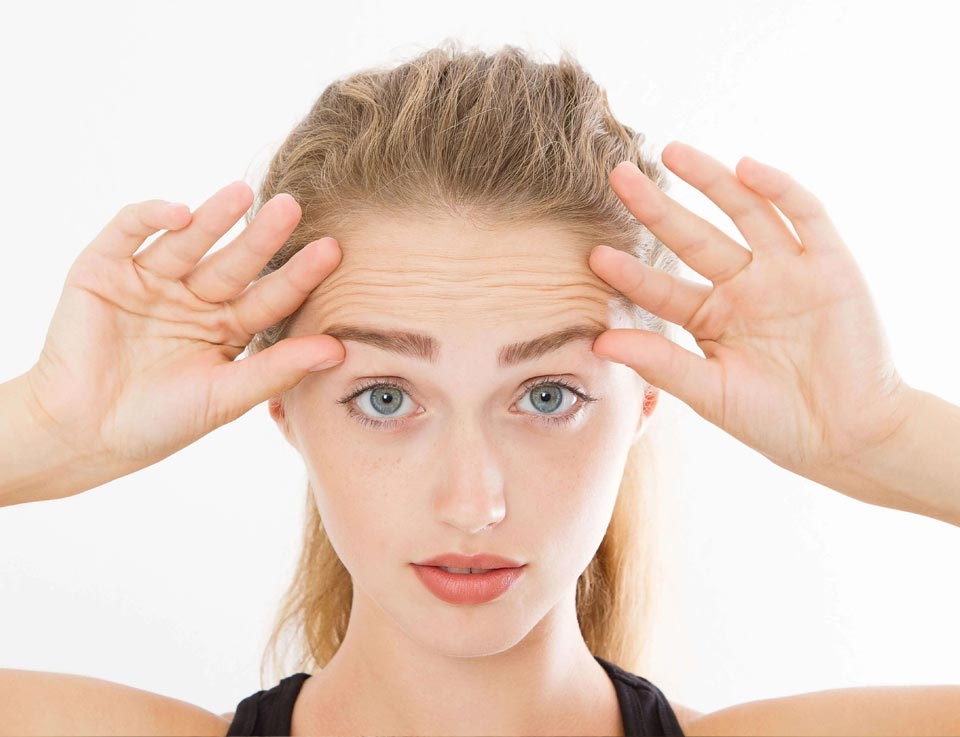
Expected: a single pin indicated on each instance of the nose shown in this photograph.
(471, 497)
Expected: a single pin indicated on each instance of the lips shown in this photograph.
(485, 561)
(468, 588)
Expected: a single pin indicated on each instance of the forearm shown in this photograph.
(34, 464)
(918, 471)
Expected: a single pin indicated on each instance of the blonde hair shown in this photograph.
(503, 139)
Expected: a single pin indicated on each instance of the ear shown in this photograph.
(651, 395)
(279, 415)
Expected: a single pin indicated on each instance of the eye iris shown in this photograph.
(544, 394)
(386, 397)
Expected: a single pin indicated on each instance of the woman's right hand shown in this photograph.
(138, 360)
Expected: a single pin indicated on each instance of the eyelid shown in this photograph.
(376, 381)
(526, 386)
(397, 382)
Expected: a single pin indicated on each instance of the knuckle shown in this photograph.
(127, 219)
(664, 296)
(259, 309)
(634, 278)
(207, 230)
(221, 326)
(225, 276)
(696, 245)
(658, 210)
(791, 189)
(815, 205)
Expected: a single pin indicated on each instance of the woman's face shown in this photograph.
(467, 459)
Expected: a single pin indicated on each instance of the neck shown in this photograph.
(385, 680)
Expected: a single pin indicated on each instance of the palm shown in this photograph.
(139, 356)
(795, 364)
(149, 345)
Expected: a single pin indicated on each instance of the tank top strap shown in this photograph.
(270, 711)
(643, 707)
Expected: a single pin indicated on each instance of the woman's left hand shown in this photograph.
(796, 361)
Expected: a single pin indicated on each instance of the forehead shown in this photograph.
(447, 273)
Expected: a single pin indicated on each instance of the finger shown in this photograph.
(173, 255)
(701, 245)
(671, 297)
(241, 385)
(756, 219)
(271, 298)
(134, 223)
(228, 271)
(806, 213)
(694, 380)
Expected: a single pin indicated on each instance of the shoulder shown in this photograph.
(41, 703)
(889, 710)
(685, 715)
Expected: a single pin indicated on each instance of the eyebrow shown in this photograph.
(427, 348)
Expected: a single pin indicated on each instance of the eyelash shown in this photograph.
(549, 420)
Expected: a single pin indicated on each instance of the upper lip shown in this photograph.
(480, 560)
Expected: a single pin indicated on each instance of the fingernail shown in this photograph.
(325, 365)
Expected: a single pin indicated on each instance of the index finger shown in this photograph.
(276, 295)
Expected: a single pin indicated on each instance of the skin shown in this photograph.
(457, 477)
(796, 365)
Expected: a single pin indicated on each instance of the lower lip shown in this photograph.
(467, 588)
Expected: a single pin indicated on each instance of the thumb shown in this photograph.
(241, 385)
(693, 380)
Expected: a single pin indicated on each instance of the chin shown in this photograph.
(447, 630)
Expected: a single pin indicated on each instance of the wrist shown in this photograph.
(36, 464)
(916, 469)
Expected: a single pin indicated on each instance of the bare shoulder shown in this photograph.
(685, 715)
(39, 703)
(874, 710)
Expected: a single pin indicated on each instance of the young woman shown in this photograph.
(468, 369)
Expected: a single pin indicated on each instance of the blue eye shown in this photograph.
(383, 398)
(545, 395)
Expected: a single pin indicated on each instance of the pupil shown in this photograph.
(385, 399)
(550, 397)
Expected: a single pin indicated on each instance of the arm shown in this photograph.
(917, 470)
(34, 464)
(870, 710)
(37, 703)
(796, 362)
(140, 359)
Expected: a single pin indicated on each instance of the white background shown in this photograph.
(168, 579)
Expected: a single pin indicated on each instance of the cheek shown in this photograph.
(558, 483)
(358, 493)
(565, 489)
(365, 527)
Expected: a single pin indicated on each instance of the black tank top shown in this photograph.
(643, 707)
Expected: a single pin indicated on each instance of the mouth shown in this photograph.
(473, 586)
(467, 570)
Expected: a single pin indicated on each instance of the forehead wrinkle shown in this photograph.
(483, 292)
(433, 302)
(442, 279)
(418, 309)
